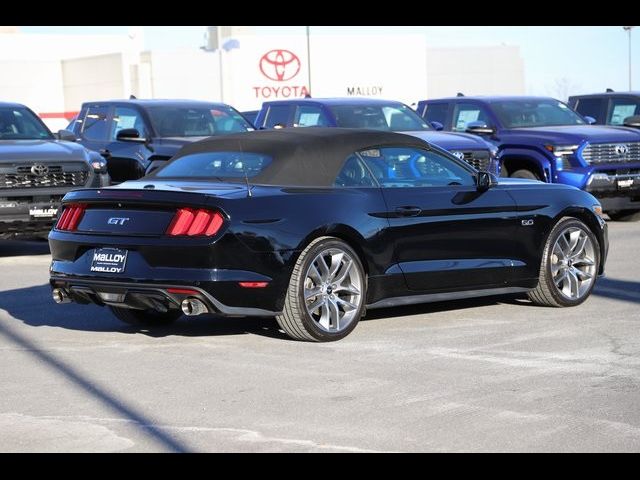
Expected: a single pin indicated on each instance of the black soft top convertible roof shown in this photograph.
(310, 156)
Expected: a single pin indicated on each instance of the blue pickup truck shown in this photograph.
(355, 112)
(544, 139)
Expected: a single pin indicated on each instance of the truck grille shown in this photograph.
(56, 176)
(478, 159)
(611, 152)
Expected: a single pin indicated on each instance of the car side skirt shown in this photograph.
(440, 297)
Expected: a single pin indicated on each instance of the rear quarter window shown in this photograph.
(216, 165)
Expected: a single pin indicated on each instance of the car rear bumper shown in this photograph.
(142, 295)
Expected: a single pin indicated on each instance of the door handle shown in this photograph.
(408, 211)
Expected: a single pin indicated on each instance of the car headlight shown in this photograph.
(562, 154)
(561, 150)
(99, 166)
(597, 209)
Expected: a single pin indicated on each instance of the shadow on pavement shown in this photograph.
(625, 290)
(34, 306)
(14, 248)
(91, 388)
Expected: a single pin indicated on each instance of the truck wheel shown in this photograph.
(625, 215)
(569, 265)
(327, 291)
(145, 317)
(524, 173)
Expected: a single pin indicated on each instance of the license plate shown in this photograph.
(38, 212)
(109, 260)
(625, 183)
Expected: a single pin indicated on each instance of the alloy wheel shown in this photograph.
(332, 290)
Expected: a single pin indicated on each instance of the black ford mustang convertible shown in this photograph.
(314, 226)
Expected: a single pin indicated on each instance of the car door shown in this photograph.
(621, 108)
(278, 116)
(447, 233)
(126, 159)
(592, 107)
(94, 128)
(307, 115)
(467, 112)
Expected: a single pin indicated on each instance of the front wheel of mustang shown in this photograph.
(326, 294)
(148, 318)
(569, 266)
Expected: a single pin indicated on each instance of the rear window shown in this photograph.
(216, 165)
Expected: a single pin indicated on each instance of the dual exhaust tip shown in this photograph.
(190, 306)
(60, 296)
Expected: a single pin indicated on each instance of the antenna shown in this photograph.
(246, 179)
(244, 170)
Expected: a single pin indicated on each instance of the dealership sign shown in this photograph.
(280, 65)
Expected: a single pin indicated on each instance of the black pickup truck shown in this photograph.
(37, 169)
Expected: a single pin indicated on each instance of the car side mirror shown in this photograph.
(590, 120)
(480, 128)
(485, 181)
(130, 135)
(437, 125)
(66, 135)
(633, 121)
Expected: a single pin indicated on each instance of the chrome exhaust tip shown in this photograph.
(193, 306)
(60, 296)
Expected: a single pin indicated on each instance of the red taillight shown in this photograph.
(253, 284)
(70, 218)
(194, 223)
(183, 291)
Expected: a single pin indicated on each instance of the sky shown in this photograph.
(556, 59)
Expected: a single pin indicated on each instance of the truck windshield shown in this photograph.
(19, 123)
(196, 121)
(395, 118)
(535, 113)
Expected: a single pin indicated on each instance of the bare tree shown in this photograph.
(563, 88)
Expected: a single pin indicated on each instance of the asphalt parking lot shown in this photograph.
(492, 374)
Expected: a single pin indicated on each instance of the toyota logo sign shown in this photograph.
(621, 150)
(279, 65)
(458, 155)
(39, 170)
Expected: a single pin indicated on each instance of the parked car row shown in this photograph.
(536, 138)
(522, 137)
(313, 226)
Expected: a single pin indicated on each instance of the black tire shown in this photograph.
(295, 320)
(546, 293)
(624, 215)
(524, 173)
(145, 317)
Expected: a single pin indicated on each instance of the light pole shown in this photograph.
(628, 29)
(309, 59)
(219, 44)
(213, 46)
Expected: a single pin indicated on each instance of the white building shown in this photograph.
(54, 74)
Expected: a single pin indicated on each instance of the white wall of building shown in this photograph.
(93, 78)
(475, 71)
(189, 74)
(57, 73)
(37, 83)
